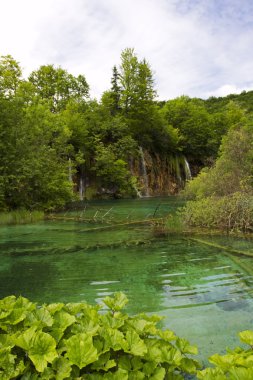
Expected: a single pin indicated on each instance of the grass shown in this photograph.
(20, 217)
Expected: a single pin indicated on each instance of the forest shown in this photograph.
(59, 145)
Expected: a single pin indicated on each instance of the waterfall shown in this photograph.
(144, 172)
(81, 189)
(187, 169)
(138, 193)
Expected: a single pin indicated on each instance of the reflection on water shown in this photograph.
(204, 293)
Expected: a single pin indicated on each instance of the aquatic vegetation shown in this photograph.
(20, 217)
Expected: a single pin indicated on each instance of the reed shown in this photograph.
(20, 217)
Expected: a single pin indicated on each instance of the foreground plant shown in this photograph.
(74, 341)
(237, 364)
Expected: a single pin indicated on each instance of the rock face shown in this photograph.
(159, 175)
(156, 175)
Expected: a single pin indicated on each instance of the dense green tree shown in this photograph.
(58, 86)
(115, 91)
(33, 162)
(222, 195)
(232, 170)
(10, 76)
(112, 172)
(33, 146)
(198, 137)
(143, 117)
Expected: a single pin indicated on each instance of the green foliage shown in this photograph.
(33, 167)
(58, 86)
(10, 76)
(70, 341)
(54, 139)
(196, 127)
(21, 217)
(223, 193)
(112, 172)
(174, 223)
(201, 128)
(236, 364)
(229, 213)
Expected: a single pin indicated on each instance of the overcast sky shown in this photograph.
(195, 47)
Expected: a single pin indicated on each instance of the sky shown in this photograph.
(198, 48)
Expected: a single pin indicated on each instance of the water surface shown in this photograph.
(204, 292)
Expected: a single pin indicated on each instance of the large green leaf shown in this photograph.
(40, 347)
(161, 351)
(62, 367)
(117, 303)
(39, 318)
(149, 367)
(80, 307)
(103, 363)
(151, 318)
(80, 350)
(120, 374)
(87, 324)
(211, 374)
(167, 335)
(136, 375)
(158, 374)
(114, 321)
(54, 307)
(171, 355)
(189, 365)
(6, 305)
(136, 344)
(62, 320)
(42, 350)
(185, 347)
(25, 339)
(16, 316)
(154, 353)
(113, 339)
(7, 360)
(225, 362)
(142, 326)
(6, 340)
(10, 366)
(241, 373)
(246, 337)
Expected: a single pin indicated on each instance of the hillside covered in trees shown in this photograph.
(57, 144)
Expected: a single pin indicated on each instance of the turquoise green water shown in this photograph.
(204, 293)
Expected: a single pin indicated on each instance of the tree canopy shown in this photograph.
(56, 140)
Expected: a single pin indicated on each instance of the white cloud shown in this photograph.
(194, 47)
(228, 89)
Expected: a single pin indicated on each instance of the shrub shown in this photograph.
(231, 213)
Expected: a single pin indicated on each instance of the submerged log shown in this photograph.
(150, 221)
(228, 249)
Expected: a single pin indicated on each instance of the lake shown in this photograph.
(204, 292)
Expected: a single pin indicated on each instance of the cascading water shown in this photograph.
(81, 189)
(187, 169)
(144, 173)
